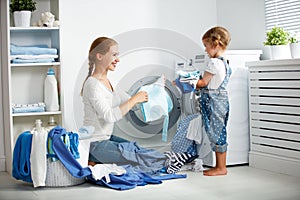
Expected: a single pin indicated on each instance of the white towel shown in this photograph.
(195, 130)
(103, 170)
(38, 160)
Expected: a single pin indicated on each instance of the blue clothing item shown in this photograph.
(185, 87)
(21, 157)
(65, 156)
(142, 159)
(74, 142)
(215, 111)
(107, 151)
(71, 141)
(183, 82)
(122, 152)
(159, 105)
(180, 143)
(38, 60)
(134, 178)
(32, 50)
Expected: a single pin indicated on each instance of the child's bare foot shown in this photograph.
(215, 172)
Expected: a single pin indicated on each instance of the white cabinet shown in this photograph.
(23, 83)
(274, 102)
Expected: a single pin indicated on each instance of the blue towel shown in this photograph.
(134, 178)
(28, 109)
(21, 157)
(32, 50)
(65, 156)
(38, 60)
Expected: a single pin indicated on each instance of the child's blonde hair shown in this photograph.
(217, 36)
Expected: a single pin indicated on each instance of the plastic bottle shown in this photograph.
(51, 123)
(50, 91)
(38, 125)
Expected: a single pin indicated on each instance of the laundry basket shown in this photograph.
(59, 176)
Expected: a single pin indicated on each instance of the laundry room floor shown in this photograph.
(241, 182)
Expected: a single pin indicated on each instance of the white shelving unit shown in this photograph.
(24, 83)
(274, 102)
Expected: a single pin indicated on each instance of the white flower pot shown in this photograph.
(22, 18)
(280, 52)
(295, 50)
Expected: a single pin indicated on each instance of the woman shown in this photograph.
(103, 105)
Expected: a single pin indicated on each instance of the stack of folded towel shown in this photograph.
(32, 54)
(24, 108)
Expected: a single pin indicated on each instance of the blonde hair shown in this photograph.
(217, 36)
(100, 45)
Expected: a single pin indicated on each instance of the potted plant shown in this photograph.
(21, 9)
(295, 45)
(278, 41)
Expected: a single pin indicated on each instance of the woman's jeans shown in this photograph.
(107, 151)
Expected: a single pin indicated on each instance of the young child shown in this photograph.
(214, 102)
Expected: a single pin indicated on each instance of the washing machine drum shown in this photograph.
(135, 116)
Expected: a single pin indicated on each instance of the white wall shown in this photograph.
(87, 20)
(246, 21)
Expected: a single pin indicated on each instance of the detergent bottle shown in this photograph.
(51, 92)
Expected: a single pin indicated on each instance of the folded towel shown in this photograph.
(49, 60)
(29, 57)
(24, 108)
(31, 50)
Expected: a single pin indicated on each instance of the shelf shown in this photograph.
(35, 64)
(36, 114)
(33, 29)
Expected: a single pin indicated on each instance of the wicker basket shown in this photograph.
(58, 175)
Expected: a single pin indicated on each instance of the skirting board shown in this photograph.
(274, 163)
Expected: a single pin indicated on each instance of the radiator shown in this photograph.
(274, 109)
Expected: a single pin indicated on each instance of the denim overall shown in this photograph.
(214, 106)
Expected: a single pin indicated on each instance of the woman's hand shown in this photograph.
(140, 97)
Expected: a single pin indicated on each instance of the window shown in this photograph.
(283, 13)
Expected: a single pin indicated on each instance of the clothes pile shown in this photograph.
(64, 146)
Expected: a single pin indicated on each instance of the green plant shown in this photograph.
(294, 38)
(18, 5)
(277, 36)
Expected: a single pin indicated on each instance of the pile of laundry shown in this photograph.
(40, 53)
(32, 149)
(187, 80)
